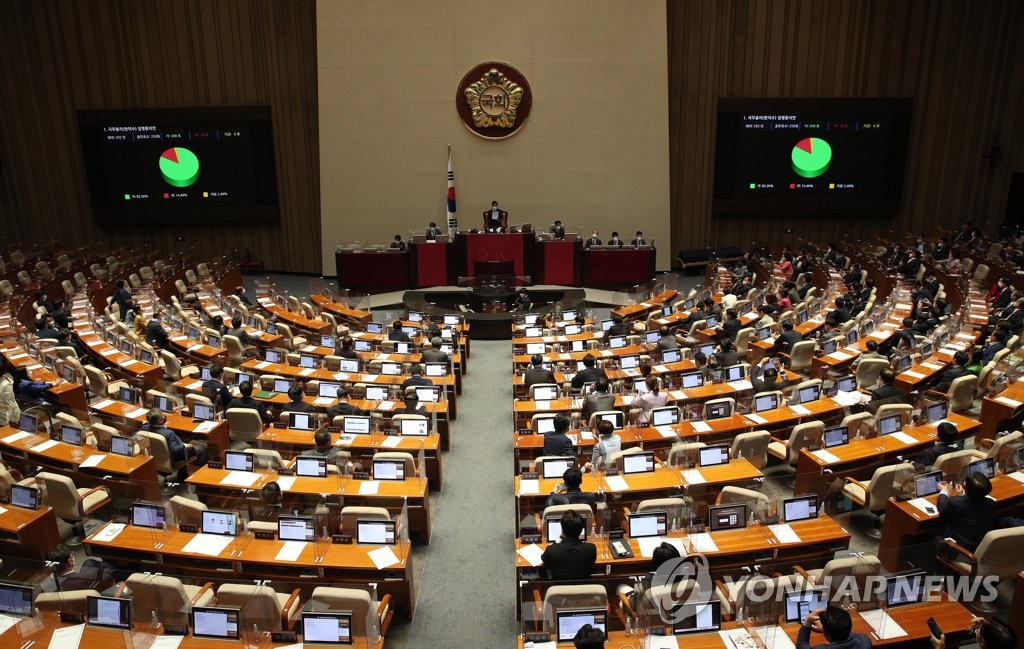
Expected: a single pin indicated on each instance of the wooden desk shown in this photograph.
(372, 271)
(294, 320)
(216, 437)
(247, 558)
(256, 336)
(642, 309)
(411, 490)
(150, 375)
(71, 395)
(1005, 405)
(354, 317)
(28, 534)
(617, 267)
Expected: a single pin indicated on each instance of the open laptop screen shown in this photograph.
(295, 528)
(697, 617)
(16, 599)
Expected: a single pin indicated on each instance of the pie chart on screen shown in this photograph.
(811, 157)
(179, 166)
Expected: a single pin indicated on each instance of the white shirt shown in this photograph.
(10, 413)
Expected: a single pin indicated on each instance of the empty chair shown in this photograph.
(351, 514)
(757, 503)
(678, 509)
(71, 503)
(359, 603)
(187, 511)
(999, 445)
(801, 355)
(868, 371)
(262, 606)
(845, 571)
(685, 453)
(802, 436)
(743, 341)
(67, 601)
(961, 393)
(244, 426)
(890, 409)
(887, 481)
(170, 599)
(752, 446)
(237, 352)
(615, 459)
(543, 388)
(712, 403)
(266, 458)
(953, 464)
(998, 555)
(748, 594)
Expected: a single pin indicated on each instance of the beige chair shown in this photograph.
(715, 402)
(685, 453)
(534, 421)
(103, 433)
(359, 603)
(748, 594)
(237, 352)
(410, 462)
(68, 601)
(858, 423)
(890, 409)
(886, 482)
(187, 511)
(615, 459)
(998, 555)
(999, 445)
(266, 458)
(757, 503)
(596, 417)
(846, 571)
(166, 466)
(262, 606)
(676, 508)
(743, 337)
(752, 446)
(583, 509)
(952, 464)
(167, 596)
(70, 503)
(868, 371)
(801, 356)
(173, 369)
(244, 427)
(353, 513)
(557, 598)
(98, 382)
(961, 393)
(802, 436)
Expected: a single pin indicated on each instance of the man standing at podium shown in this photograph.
(495, 217)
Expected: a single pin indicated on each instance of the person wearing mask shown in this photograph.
(537, 372)
(557, 230)
(608, 444)
(996, 344)
(61, 314)
(495, 218)
(215, 390)
(45, 329)
(872, 352)
(26, 389)
(638, 240)
(64, 339)
(990, 634)
(570, 558)
(731, 326)
(93, 574)
(324, 448)
(156, 422)
(397, 243)
(557, 442)
(593, 240)
(598, 400)
(648, 401)
(615, 240)
(945, 443)
(246, 401)
(523, 302)
(295, 401)
(589, 374)
(841, 313)
(121, 298)
(835, 624)
(968, 514)
(433, 231)
(238, 331)
(343, 407)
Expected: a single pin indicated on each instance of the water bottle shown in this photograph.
(154, 620)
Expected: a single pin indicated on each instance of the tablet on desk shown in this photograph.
(24, 497)
(798, 604)
(71, 435)
(110, 612)
(301, 421)
(389, 470)
(713, 455)
(16, 599)
(354, 424)
(638, 463)
(927, 484)
(413, 427)
(697, 617)
(217, 522)
(905, 589)
(215, 622)
(801, 508)
(123, 446)
(553, 468)
(568, 622)
(376, 532)
(295, 528)
(327, 628)
(311, 467)
(238, 461)
(202, 412)
(648, 524)
(727, 517)
(148, 515)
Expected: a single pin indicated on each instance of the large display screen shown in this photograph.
(810, 155)
(179, 165)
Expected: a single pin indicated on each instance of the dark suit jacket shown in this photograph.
(636, 243)
(179, 452)
(927, 459)
(538, 375)
(616, 242)
(731, 327)
(398, 336)
(595, 402)
(784, 343)
(491, 223)
(946, 378)
(586, 375)
(967, 520)
(297, 406)
(886, 392)
(249, 402)
(855, 641)
(417, 381)
(217, 392)
(343, 408)
(155, 334)
(990, 352)
(558, 444)
(434, 356)
(569, 560)
(590, 241)
(558, 231)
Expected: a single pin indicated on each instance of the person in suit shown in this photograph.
(840, 314)
(537, 373)
(1002, 296)
(523, 302)
(434, 354)
(156, 335)
(666, 339)
(45, 328)
(911, 267)
(397, 243)
(886, 391)
(725, 355)
(238, 331)
(346, 350)
(343, 407)
(557, 442)
(495, 218)
(732, 325)
(945, 443)
(156, 422)
(968, 514)
(324, 448)
(416, 379)
(589, 637)
(592, 241)
(557, 230)
(638, 240)
(990, 634)
(958, 369)
(570, 558)
(789, 337)
(569, 492)
(432, 231)
(588, 374)
(246, 401)
(397, 335)
(599, 399)
(835, 624)
(215, 390)
(64, 339)
(295, 401)
(996, 344)
(698, 313)
(765, 377)
(61, 314)
(619, 327)
(615, 240)
(121, 298)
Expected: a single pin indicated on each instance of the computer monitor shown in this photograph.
(126, 347)
(705, 295)
(127, 395)
(112, 612)
(691, 380)
(355, 424)
(764, 332)
(852, 336)
(123, 446)
(148, 515)
(727, 517)
(801, 508)
(301, 420)
(629, 362)
(415, 316)
(273, 356)
(735, 373)
(203, 412)
(253, 322)
(71, 434)
(328, 390)
(671, 356)
(376, 532)
(534, 332)
(24, 496)
(238, 461)
(936, 412)
(640, 385)
(606, 324)
(666, 416)
(215, 622)
(218, 522)
(390, 369)
(16, 599)
(903, 363)
(545, 392)
(553, 530)
(374, 328)
(905, 589)
(451, 320)
(986, 467)
(638, 463)
(389, 469)
(809, 393)
(146, 356)
(699, 617)
(282, 386)
(193, 333)
(652, 337)
(330, 628)
(717, 411)
(801, 316)
(328, 341)
(530, 318)
(428, 393)
(846, 383)
(616, 418)
(569, 315)
(535, 348)
(889, 424)
(164, 403)
(666, 310)
(927, 484)
(798, 604)
(363, 346)
(616, 342)
(830, 345)
(568, 622)
(713, 455)
(545, 425)
(403, 347)
(763, 402)
(308, 361)
(67, 372)
(648, 524)
(110, 337)
(707, 349)
(413, 427)
(573, 329)
(926, 350)
(835, 436)
(311, 467)
(553, 468)
(295, 528)
(213, 340)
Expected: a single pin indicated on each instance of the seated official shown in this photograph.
(156, 335)
(871, 353)
(45, 328)
(557, 230)
(346, 350)
(731, 326)
(608, 444)
(215, 390)
(416, 379)
(61, 314)
(156, 422)
(343, 407)
(64, 339)
(886, 392)
(557, 442)
(569, 492)
(649, 400)
(952, 373)
(945, 443)
(638, 240)
(589, 637)
(765, 377)
(93, 574)
(269, 508)
(619, 326)
(593, 240)
(434, 354)
(246, 401)
(238, 331)
(397, 334)
(725, 354)
(835, 624)
(666, 339)
(615, 240)
(537, 373)
(295, 402)
(324, 448)
(570, 558)
(785, 341)
(495, 218)
(433, 231)
(397, 243)
(661, 555)
(589, 374)
(968, 514)
(598, 400)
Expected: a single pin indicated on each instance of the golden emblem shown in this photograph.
(493, 100)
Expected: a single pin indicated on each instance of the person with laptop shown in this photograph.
(570, 493)
(295, 400)
(397, 334)
(557, 442)
(872, 352)
(968, 514)
(343, 407)
(156, 422)
(619, 326)
(945, 443)
(589, 374)
(246, 401)
(835, 624)
(764, 377)
(841, 313)
(346, 350)
(731, 326)
(324, 448)
(570, 559)
(599, 399)
(608, 444)
(666, 339)
(648, 401)
(990, 634)
(887, 392)
(215, 390)
(725, 354)
(238, 331)
(416, 378)
(434, 353)
(785, 341)
(537, 372)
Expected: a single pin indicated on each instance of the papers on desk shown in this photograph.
(7, 621)
(649, 543)
(138, 412)
(109, 532)
(240, 478)
(542, 405)
(45, 446)
(800, 410)
(106, 403)
(757, 419)
(10, 439)
(702, 543)
(386, 405)
(391, 441)
(92, 460)
(949, 351)
(195, 385)
(933, 366)
(290, 550)
(770, 340)
(178, 339)
(606, 352)
(616, 483)
(884, 626)
(368, 487)
(323, 401)
(628, 399)
(346, 439)
(529, 487)
(850, 398)
(1016, 475)
(1013, 403)
(665, 431)
(205, 427)
(738, 639)
(773, 637)
(923, 505)
(916, 375)
(262, 365)
(694, 476)
(661, 369)
(192, 348)
(700, 426)
(531, 554)
(108, 352)
(878, 335)
(210, 545)
(586, 434)
(3, 510)
(785, 533)
(741, 385)
(839, 356)
(383, 557)
(286, 482)
(659, 642)
(340, 376)
(903, 437)
(306, 372)
(825, 456)
(67, 637)
(963, 335)
(678, 395)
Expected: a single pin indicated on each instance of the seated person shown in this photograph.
(295, 401)
(570, 558)
(599, 399)
(156, 422)
(608, 444)
(537, 373)
(664, 553)
(432, 231)
(343, 407)
(589, 637)
(246, 401)
(619, 326)
(64, 339)
(968, 514)
(495, 218)
(434, 354)
(593, 240)
(615, 240)
(789, 337)
(990, 634)
(416, 379)
(835, 624)
(93, 574)
(557, 230)
(346, 350)
(397, 335)
(45, 328)
(324, 448)
(945, 443)
(557, 442)
(269, 508)
(765, 377)
(215, 390)
(638, 240)
(886, 392)
(61, 314)
(237, 331)
(955, 371)
(588, 374)
(156, 335)
(569, 492)
(397, 243)
(649, 400)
